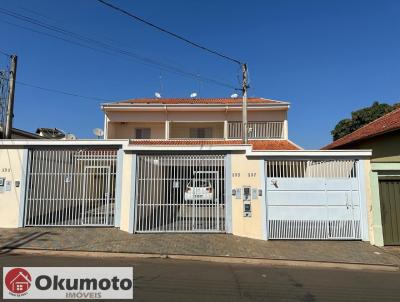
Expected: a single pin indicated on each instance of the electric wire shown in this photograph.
(58, 91)
(169, 32)
(95, 45)
(4, 53)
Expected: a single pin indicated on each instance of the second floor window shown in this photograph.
(201, 132)
(142, 133)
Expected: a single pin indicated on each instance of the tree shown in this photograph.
(360, 118)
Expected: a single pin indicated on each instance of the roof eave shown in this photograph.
(155, 107)
(328, 147)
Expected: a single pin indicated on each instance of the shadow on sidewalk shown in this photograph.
(10, 246)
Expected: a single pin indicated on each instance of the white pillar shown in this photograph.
(106, 120)
(225, 129)
(285, 129)
(167, 130)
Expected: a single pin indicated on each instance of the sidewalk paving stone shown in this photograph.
(114, 240)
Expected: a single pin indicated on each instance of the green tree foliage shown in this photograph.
(360, 118)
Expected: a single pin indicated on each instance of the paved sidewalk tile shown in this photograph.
(114, 240)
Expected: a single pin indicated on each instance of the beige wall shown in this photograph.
(11, 167)
(369, 196)
(246, 172)
(122, 124)
(199, 116)
(126, 191)
(127, 130)
(182, 129)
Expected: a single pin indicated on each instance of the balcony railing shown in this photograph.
(267, 130)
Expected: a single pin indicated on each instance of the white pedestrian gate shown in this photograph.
(313, 199)
(70, 187)
(180, 193)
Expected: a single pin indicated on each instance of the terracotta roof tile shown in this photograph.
(198, 101)
(387, 123)
(258, 145)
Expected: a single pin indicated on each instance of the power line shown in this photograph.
(4, 53)
(170, 33)
(95, 45)
(62, 92)
(58, 91)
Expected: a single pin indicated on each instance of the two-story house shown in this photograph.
(179, 165)
(198, 121)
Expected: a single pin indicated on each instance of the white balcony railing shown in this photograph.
(267, 130)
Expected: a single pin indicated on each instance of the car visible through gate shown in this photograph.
(199, 190)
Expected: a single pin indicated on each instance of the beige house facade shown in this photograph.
(179, 165)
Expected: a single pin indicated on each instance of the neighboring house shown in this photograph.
(195, 121)
(50, 133)
(383, 137)
(22, 134)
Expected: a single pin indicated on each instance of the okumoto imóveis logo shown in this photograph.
(17, 281)
(68, 283)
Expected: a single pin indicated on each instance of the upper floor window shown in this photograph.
(142, 133)
(201, 132)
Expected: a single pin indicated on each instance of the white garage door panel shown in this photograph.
(336, 213)
(342, 198)
(298, 184)
(336, 184)
(296, 198)
(313, 199)
(297, 213)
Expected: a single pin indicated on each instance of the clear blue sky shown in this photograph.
(325, 57)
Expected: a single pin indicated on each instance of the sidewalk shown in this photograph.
(213, 245)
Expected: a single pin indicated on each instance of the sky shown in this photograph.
(327, 58)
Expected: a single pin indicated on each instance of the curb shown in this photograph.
(218, 259)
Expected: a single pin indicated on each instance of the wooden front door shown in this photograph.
(389, 191)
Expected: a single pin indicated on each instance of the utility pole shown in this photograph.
(11, 92)
(244, 104)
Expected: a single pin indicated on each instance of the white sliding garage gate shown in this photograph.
(313, 199)
(180, 193)
(70, 187)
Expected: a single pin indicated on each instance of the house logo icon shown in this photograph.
(18, 281)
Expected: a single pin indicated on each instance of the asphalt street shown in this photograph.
(177, 280)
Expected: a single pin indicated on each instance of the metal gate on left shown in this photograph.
(70, 187)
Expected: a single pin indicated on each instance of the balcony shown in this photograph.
(257, 130)
(195, 130)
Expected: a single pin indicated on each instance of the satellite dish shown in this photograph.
(70, 136)
(98, 132)
(193, 95)
(158, 95)
(234, 96)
